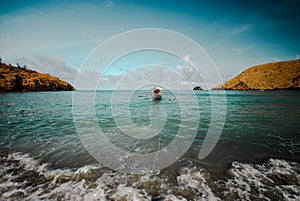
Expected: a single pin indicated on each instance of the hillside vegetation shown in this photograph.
(270, 76)
(13, 79)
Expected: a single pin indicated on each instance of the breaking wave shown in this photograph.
(23, 177)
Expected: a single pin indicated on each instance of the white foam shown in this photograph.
(24, 160)
(87, 168)
(291, 192)
(8, 184)
(195, 179)
(90, 182)
(263, 179)
(74, 190)
(14, 191)
(174, 198)
(130, 194)
(65, 184)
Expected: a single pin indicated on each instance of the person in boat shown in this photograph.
(156, 95)
(156, 90)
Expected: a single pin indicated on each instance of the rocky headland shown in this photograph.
(22, 79)
(270, 76)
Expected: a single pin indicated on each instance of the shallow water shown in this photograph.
(256, 157)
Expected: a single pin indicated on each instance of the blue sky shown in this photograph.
(55, 37)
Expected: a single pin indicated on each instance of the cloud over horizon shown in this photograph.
(50, 64)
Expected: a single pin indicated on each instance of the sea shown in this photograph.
(99, 145)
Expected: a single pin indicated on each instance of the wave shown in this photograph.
(23, 177)
(274, 180)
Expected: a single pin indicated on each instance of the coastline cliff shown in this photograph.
(270, 76)
(21, 79)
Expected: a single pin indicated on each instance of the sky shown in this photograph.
(57, 37)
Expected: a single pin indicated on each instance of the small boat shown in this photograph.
(156, 97)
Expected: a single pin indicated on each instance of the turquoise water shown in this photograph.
(256, 157)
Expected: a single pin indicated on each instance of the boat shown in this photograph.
(156, 97)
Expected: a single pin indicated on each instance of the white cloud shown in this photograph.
(298, 56)
(243, 49)
(180, 77)
(161, 74)
(87, 80)
(187, 58)
(57, 67)
(240, 29)
(276, 59)
(53, 65)
(239, 50)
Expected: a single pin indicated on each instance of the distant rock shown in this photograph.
(197, 88)
(13, 79)
(270, 76)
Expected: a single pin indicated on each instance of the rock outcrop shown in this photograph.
(197, 88)
(270, 76)
(18, 79)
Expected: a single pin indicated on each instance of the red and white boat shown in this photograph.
(156, 96)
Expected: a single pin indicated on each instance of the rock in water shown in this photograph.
(197, 88)
(271, 76)
(13, 79)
